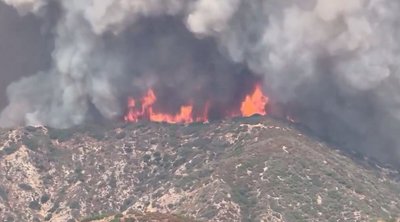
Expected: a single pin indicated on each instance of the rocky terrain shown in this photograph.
(247, 169)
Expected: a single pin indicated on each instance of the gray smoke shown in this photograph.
(23, 47)
(333, 65)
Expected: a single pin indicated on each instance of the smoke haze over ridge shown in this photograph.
(333, 65)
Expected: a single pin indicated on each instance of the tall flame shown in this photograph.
(253, 103)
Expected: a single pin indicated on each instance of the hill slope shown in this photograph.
(254, 169)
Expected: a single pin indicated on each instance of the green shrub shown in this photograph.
(95, 217)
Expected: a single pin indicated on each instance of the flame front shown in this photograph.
(254, 103)
(146, 111)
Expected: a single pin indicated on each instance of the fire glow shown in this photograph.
(253, 103)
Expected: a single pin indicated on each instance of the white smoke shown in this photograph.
(26, 6)
(211, 16)
(358, 36)
(323, 54)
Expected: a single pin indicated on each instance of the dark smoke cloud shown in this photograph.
(23, 48)
(333, 65)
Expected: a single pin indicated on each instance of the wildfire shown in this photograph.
(253, 103)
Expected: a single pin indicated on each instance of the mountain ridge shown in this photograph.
(244, 169)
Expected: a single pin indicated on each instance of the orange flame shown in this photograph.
(134, 114)
(254, 103)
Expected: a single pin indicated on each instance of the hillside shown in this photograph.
(247, 169)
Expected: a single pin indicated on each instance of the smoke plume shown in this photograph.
(332, 65)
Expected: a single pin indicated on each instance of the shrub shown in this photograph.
(79, 175)
(55, 206)
(3, 194)
(95, 131)
(31, 143)
(209, 212)
(10, 149)
(44, 198)
(74, 205)
(25, 187)
(179, 162)
(95, 217)
(146, 158)
(34, 205)
(118, 215)
(61, 135)
(127, 203)
(31, 128)
(128, 149)
(98, 135)
(112, 182)
(242, 196)
(120, 135)
(117, 218)
(48, 217)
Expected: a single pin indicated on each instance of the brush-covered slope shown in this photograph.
(254, 169)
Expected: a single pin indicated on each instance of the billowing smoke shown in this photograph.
(332, 65)
(23, 47)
